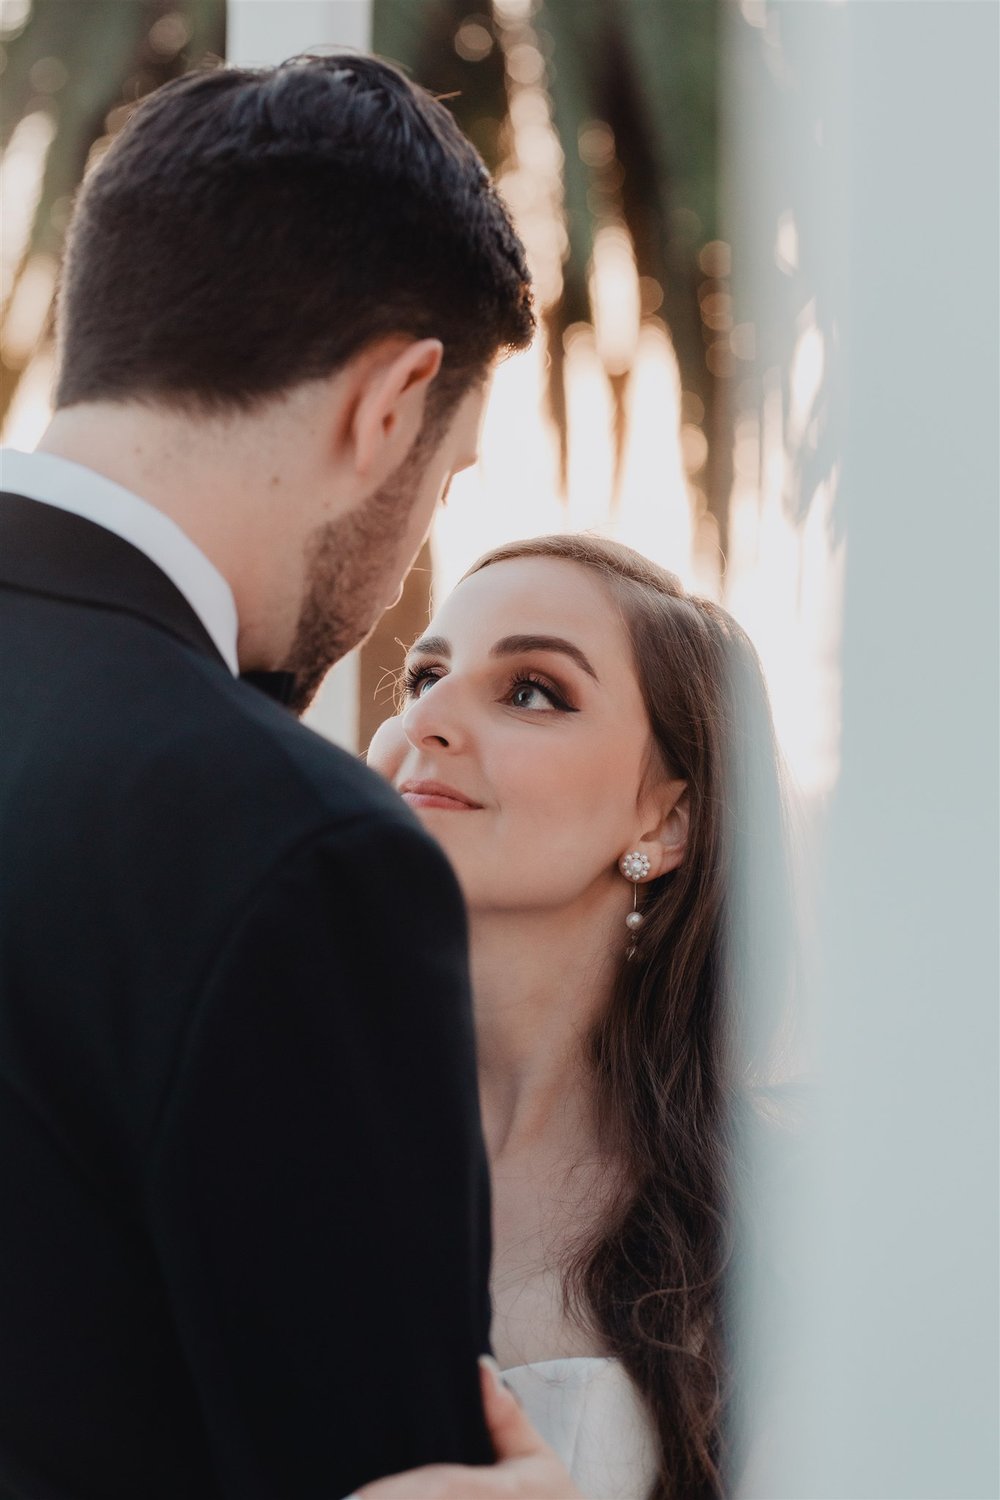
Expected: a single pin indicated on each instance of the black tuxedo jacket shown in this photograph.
(244, 1226)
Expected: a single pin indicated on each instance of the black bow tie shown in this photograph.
(277, 685)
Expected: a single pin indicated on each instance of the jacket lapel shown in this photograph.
(44, 550)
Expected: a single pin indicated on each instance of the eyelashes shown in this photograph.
(413, 679)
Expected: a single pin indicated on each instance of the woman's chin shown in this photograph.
(445, 827)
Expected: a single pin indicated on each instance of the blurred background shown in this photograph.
(764, 236)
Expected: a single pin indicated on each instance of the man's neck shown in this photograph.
(213, 481)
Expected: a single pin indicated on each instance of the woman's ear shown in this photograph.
(666, 843)
(390, 402)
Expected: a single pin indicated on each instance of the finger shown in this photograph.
(513, 1435)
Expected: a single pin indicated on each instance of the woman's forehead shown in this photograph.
(529, 595)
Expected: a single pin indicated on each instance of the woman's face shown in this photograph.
(524, 741)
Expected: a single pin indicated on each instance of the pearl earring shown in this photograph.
(634, 867)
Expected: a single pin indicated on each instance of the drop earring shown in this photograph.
(634, 867)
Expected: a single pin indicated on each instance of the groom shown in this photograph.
(245, 1233)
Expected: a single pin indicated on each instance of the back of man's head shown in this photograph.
(249, 230)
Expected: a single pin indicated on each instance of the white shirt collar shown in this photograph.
(71, 487)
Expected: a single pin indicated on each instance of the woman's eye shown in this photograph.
(528, 695)
(521, 692)
(418, 680)
(525, 692)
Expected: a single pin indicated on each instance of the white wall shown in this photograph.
(268, 31)
(886, 1326)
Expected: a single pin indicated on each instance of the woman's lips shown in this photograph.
(435, 794)
(434, 799)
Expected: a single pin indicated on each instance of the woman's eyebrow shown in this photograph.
(515, 645)
(431, 645)
(510, 645)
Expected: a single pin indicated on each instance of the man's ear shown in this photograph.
(666, 842)
(388, 412)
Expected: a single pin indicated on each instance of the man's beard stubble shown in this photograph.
(346, 577)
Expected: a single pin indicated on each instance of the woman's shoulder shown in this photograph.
(588, 1409)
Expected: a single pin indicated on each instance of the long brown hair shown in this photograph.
(651, 1279)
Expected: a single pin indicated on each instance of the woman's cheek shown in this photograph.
(387, 748)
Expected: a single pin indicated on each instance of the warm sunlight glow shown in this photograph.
(530, 179)
(615, 297)
(808, 362)
(21, 169)
(785, 582)
(786, 244)
(513, 490)
(25, 314)
(31, 409)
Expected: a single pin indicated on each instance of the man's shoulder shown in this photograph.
(128, 726)
(216, 739)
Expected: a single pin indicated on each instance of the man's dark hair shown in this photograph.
(251, 229)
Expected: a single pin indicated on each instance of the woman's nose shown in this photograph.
(434, 719)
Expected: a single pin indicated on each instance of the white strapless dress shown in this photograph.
(589, 1411)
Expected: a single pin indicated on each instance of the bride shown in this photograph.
(589, 744)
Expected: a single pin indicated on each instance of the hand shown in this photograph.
(526, 1467)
